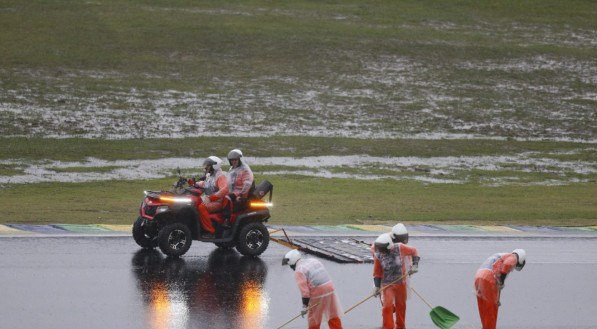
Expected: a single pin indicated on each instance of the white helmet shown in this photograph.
(399, 233)
(384, 242)
(235, 154)
(522, 258)
(214, 162)
(291, 258)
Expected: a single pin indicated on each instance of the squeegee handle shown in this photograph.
(359, 303)
(381, 290)
(296, 317)
(423, 299)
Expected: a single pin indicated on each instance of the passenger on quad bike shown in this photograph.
(215, 188)
(240, 178)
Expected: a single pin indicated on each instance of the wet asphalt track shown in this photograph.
(108, 282)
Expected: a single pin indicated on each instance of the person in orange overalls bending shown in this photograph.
(489, 282)
(316, 289)
(392, 264)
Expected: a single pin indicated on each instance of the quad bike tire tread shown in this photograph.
(249, 235)
(140, 238)
(164, 239)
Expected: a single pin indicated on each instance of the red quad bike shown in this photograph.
(169, 219)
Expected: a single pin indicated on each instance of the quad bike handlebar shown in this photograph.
(180, 183)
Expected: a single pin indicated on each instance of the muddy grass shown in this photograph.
(401, 98)
(385, 70)
(484, 94)
(524, 168)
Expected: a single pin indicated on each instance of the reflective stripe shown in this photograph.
(324, 295)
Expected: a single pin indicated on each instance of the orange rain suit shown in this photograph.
(216, 188)
(487, 286)
(389, 267)
(314, 283)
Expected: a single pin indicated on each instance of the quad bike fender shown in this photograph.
(242, 220)
(253, 216)
(183, 215)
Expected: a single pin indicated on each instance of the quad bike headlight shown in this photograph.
(176, 199)
(161, 209)
(261, 204)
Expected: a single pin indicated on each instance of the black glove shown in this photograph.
(416, 260)
(502, 280)
(377, 282)
(305, 309)
(376, 290)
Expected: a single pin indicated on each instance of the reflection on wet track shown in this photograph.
(224, 291)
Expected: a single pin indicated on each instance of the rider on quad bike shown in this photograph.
(168, 219)
(240, 178)
(215, 189)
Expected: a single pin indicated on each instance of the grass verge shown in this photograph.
(76, 149)
(307, 201)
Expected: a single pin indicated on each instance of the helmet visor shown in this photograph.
(382, 246)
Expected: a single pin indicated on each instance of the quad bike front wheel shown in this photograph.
(142, 239)
(253, 239)
(175, 239)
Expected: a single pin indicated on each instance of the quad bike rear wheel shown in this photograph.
(144, 241)
(253, 239)
(175, 239)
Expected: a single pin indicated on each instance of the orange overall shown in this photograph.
(487, 286)
(216, 188)
(389, 267)
(314, 283)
